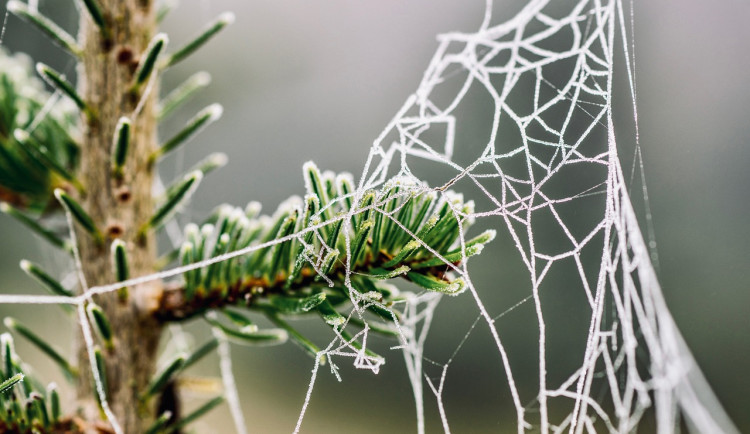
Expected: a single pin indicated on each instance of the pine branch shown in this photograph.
(399, 232)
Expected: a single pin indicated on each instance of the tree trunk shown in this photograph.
(119, 206)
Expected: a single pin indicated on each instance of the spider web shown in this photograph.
(550, 152)
(547, 175)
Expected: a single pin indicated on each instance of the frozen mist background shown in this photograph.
(320, 79)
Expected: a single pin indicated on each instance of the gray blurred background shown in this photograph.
(319, 80)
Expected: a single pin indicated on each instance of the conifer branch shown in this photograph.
(418, 239)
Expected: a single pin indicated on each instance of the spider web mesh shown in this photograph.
(548, 176)
(549, 155)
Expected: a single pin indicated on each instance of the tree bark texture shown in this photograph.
(119, 206)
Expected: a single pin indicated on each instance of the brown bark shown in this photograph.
(119, 207)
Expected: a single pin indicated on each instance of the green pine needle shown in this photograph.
(182, 93)
(330, 315)
(296, 336)
(196, 414)
(54, 401)
(182, 193)
(383, 274)
(251, 337)
(148, 60)
(120, 145)
(68, 369)
(200, 353)
(95, 11)
(239, 319)
(209, 32)
(164, 376)
(101, 323)
(431, 283)
(8, 353)
(10, 382)
(52, 30)
(79, 215)
(195, 125)
(120, 261)
(287, 305)
(160, 423)
(101, 366)
(56, 80)
(165, 7)
(49, 282)
(40, 153)
(214, 161)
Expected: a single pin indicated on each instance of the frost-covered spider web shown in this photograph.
(547, 175)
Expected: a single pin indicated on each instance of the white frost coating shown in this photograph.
(214, 110)
(218, 159)
(201, 78)
(226, 18)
